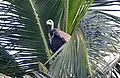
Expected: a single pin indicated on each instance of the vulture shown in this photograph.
(57, 37)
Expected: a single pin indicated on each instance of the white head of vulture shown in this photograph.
(50, 23)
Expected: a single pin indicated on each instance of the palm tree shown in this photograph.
(24, 32)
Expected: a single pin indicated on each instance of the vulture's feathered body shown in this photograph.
(56, 37)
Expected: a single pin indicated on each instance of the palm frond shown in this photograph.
(73, 60)
(8, 63)
(101, 31)
(21, 36)
(75, 10)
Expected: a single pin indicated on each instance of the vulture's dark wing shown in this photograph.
(57, 39)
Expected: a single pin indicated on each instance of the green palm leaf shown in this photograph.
(20, 33)
(73, 60)
(101, 31)
(9, 64)
(73, 15)
(102, 41)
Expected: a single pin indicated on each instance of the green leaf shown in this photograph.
(101, 32)
(21, 33)
(8, 65)
(75, 10)
(73, 60)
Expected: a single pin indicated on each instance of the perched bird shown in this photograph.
(56, 37)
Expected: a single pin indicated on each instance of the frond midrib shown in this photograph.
(40, 28)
